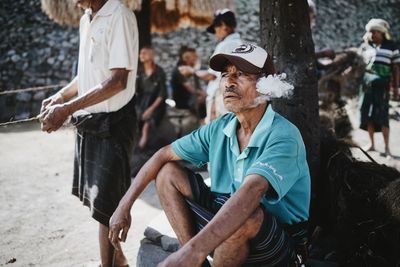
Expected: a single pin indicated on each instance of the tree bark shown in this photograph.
(286, 35)
(144, 24)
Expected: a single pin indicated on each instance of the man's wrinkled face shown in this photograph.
(238, 89)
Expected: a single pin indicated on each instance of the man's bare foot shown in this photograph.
(369, 148)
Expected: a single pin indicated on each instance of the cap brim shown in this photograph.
(220, 61)
(210, 29)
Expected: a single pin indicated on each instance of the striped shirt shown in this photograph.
(381, 58)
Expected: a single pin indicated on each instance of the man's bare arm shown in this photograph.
(66, 93)
(121, 220)
(54, 116)
(231, 216)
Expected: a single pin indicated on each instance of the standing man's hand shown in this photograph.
(120, 221)
(53, 117)
(52, 100)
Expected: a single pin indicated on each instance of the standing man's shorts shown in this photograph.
(272, 246)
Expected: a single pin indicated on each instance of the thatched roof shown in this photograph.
(166, 15)
(65, 12)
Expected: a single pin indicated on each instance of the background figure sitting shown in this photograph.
(186, 87)
(151, 93)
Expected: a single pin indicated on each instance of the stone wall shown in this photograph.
(34, 51)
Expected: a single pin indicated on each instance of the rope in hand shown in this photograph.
(31, 89)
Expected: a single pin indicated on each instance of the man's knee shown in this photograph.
(172, 175)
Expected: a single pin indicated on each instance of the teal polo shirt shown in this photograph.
(275, 151)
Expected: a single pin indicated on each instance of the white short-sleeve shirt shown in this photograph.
(109, 41)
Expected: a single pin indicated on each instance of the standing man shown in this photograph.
(256, 210)
(223, 27)
(100, 100)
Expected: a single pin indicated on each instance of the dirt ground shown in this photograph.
(42, 224)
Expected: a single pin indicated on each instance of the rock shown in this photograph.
(169, 244)
(149, 254)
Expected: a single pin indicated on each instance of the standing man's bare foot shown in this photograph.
(369, 148)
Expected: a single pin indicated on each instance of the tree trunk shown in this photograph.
(286, 34)
(144, 23)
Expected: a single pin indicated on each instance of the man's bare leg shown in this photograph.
(173, 187)
(371, 132)
(109, 256)
(385, 133)
(234, 251)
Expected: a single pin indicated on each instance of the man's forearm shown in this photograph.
(148, 173)
(232, 216)
(70, 90)
(110, 87)
(205, 75)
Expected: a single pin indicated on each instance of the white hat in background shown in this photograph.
(380, 25)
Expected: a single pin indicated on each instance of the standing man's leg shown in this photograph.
(385, 133)
(173, 187)
(371, 132)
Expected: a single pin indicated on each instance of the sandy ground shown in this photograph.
(42, 224)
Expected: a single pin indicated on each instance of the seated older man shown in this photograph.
(256, 210)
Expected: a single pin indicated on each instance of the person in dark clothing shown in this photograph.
(187, 91)
(151, 94)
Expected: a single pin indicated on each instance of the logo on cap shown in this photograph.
(244, 49)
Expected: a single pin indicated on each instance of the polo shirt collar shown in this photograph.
(263, 127)
(108, 8)
(261, 130)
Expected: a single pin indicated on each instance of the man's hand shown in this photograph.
(53, 117)
(52, 100)
(120, 221)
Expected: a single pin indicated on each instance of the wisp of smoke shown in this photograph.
(274, 86)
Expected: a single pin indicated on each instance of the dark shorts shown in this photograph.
(104, 145)
(375, 107)
(272, 246)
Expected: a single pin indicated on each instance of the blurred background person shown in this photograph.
(186, 87)
(151, 93)
(382, 58)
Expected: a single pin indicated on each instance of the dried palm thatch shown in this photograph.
(65, 12)
(166, 15)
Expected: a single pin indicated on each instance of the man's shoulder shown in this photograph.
(282, 127)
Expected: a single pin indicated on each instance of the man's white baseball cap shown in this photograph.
(248, 58)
